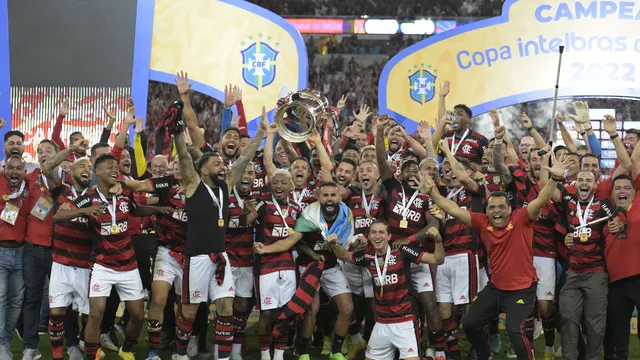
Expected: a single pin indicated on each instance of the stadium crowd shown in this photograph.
(430, 232)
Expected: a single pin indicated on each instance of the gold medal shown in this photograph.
(404, 224)
(382, 291)
(368, 216)
(220, 222)
(5, 197)
(114, 229)
(584, 237)
(291, 231)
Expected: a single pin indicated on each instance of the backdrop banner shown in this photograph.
(513, 58)
(218, 42)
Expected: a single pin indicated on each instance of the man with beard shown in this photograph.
(207, 271)
(583, 297)
(14, 145)
(73, 138)
(508, 239)
(13, 226)
(72, 245)
(36, 262)
(457, 278)
(345, 172)
(328, 216)
(623, 259)
(463, 141)
(366, 207)
(407, 212)
(277, 279)
(239, 245)
(115, 264)
(395, 328)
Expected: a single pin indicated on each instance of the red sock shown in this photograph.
(223, 336)
(90, 349)
(239, 326)
(154, 332)
(265, 342)
(280, 342)
(451, 334)
(56, 335)
(438, 340)
(183, 334)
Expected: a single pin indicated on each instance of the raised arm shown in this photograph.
(498, 156)
(190, 178)
(57, 127)
(381, 150)
(267, 158)
(425, 133)
(458, 170)
(415, 145)
(437, 258)
(546, 193)
(566, 137)
(610, 126)
(428, 187)
(247, 153)
(184, 87)
(129, 120)
(445, 87)
(325, 161)
(527, 123)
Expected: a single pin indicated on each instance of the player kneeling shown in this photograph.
(395, 316)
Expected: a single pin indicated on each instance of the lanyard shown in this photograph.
(282, 215)
(394, 155)
(16, 194)
(583, 218)
(112, 211)
(215, 200)
(367, 206)
(298, 199)
(240, 202)
(405, 206)
(453, 194)
(382, 276)
(454, 148)
(75, 193)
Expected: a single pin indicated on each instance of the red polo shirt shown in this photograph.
(39, 232)
(17, 231)
(510, 250)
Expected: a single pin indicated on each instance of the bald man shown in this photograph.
(159, 166)
(526, 144)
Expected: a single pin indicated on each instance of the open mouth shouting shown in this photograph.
(245, 185)
(497, 220)
(622, 199)
(584, 192)
(365, 180)
(14, 180)
(329, 207)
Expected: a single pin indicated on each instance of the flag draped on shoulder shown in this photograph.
(312, 220)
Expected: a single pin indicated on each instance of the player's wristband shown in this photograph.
(585, 130)
(613, 136)
(583, 133)
(557, 179)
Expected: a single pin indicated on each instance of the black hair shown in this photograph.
(406, 164)
(407, 154)
(350, 147)
(301, 158)
(633, 131)
(231, 129)
(501, 194)
(97, 146)
(328, 184)
(245, 136)
(11, 133)
(589, 155)
(348, 161)
(74, 133)
(622, 177)
(203, 160)
(558, 148)
(464, 108)
(50, 142)
(103, 158)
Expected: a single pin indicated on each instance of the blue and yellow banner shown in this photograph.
(513, 58)
(219, 42)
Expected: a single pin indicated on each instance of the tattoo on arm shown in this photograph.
(245, 156)
(187, 171)
(381, 155)
(498, 164)
(50, 166)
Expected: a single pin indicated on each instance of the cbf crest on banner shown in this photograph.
(218, 42)
(513, 58)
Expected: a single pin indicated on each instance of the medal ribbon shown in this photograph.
(583, 218)
(367, 207)
(16, 194)
(405, 206)
(382, 276)
(240, 202)
(215, 200)
(112, 211)
(454, 147)
(284, 220)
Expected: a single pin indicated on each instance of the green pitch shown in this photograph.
(254, 354)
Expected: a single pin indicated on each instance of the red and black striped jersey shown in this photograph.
(493, 182)
(587, 252)
(112, 250)
(358, 205)
(239, 238)
(172, 229)
(416, 213)
(458, 237)
(545, 237)
(259, 185)
(271, 228)
(302, 197)
(393, 301)
(472, 146)
(72, 239)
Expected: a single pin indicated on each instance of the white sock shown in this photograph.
(549, 349)
(356, 338)
(236, 349)
(278, 354)
(441, 354)
(215, 352)
(265, 355)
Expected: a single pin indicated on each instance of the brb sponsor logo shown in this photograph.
(388, 280)
(259, 60)
(422, 84)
